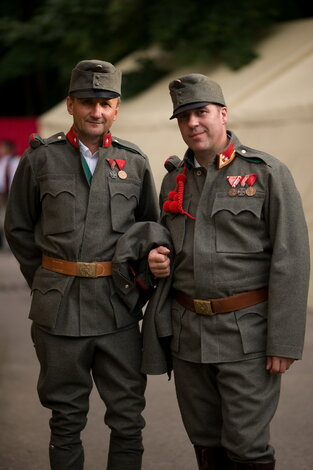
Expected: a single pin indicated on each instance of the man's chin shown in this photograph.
(96, 130)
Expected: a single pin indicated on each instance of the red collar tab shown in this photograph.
(73, 139)
(174, 204)
(226, 157)
(107, 140)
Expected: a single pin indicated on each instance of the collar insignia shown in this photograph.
(226, 157)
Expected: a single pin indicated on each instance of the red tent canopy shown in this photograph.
(18, 129)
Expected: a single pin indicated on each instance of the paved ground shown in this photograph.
(24, 423)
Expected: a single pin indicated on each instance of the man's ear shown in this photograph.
(69, 104)
(224, 114)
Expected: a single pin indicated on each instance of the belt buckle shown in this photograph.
(203, 307)
(86, 269)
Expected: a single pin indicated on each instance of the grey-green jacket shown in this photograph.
(237, 244)
(54, 209)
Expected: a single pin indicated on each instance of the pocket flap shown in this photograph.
(238, 204)
(45, 281)
(127, 190)
(257, 309)
(56, 185)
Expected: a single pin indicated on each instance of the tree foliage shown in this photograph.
(42, 40)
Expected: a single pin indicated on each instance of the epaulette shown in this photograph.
(56, 138)
(35, 140)
(125, 145)
(249, 154)
(172, 162)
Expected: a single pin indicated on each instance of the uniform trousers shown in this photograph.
(69, 366)
(230, 405)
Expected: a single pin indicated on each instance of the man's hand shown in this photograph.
(278, 365)
(159, 262)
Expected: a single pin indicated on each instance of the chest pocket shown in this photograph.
(57, 195)
(124, 199)
(238, 223)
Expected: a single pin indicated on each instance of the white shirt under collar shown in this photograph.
(91, 158)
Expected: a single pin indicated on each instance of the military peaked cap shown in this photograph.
(95, 79)
(194, 91)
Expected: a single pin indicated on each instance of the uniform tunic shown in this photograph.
(56, 211)
(238, 244)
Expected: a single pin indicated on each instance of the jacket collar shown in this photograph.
(73, 138)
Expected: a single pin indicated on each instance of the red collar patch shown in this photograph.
(226, 157)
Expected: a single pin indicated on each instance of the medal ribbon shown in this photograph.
(250, 180)
(113, 162)
(234, 180)
(243, 180)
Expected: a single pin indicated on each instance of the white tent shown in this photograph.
(270, 107)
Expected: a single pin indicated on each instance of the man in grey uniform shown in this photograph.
(72, 198)
(240, 281)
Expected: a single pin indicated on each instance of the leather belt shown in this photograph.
(79, 269)
(222, 305)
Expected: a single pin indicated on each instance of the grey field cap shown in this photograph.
(194, 91)
(95, 79)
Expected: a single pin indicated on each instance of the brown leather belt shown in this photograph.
(80, 269)
(223, 305)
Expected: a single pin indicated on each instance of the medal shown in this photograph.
(232, 192)
(117, 164)
(250, 180)
(242, 190)
(122, 174)
(113, 174)
(233, 181)
(250, 191)
(112, 163)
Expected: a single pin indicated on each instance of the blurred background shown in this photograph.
(261, 53)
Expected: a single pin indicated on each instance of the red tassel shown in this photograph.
(174, 204)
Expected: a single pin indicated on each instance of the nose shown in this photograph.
(96, 110)
(193, 120)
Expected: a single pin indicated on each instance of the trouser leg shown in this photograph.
(116, 373)
(229, 405)
(64, 386)
(250, 396)
(200, 406)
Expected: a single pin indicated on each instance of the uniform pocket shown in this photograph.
(252, 324)
(57, 195)
(238, 223)
(47, 292)
(124, 199)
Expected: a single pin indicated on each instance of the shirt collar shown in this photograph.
(86, 152)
